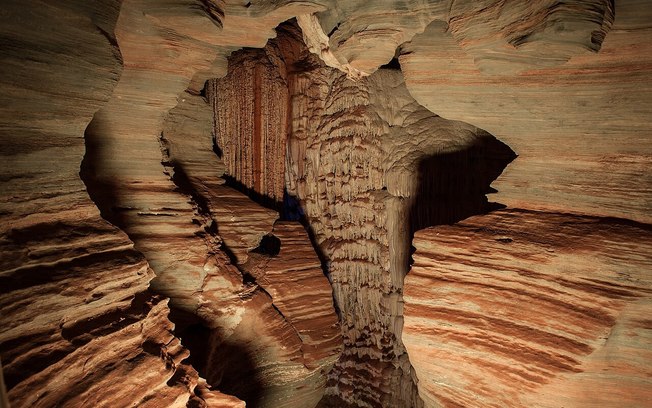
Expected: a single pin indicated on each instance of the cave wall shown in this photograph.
(186, 243)
(580, 128)
(74, 284)
(75, 302)
(531, 308)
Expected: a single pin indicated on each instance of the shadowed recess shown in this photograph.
(453, 186)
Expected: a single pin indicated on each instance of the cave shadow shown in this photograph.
(454, 186)
(227, 366)
(262, 199)
(102, 190)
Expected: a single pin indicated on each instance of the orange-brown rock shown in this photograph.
(252, 144)
(283, 330)
(59, 256)
(521, 308)
(294, 279)
(579, 128)
(78, 326)
(321, 125)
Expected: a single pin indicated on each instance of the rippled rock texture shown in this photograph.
(156, 230)
(579, 127)
(79, 326)
(523, 308)
(78, 301)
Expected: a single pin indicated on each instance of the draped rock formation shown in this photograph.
(353, 165)
(213, 203)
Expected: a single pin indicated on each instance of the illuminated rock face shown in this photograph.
(149, 231)
(525, 308)
(577, 127)
(363, 186)
(77, 303)
(79, 325)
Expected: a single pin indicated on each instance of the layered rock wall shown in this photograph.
(74, 299)
(523, 308)
(74, 284)
(579, 127)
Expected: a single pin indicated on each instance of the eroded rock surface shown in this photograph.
(566, 85)
(75, 306)
(272, 334)
(522, 308)
(579, 128)
(354, 164)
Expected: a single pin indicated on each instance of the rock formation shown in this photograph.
(526, 308)
(213, 203)
(578, 128)
(75, 304)
(353, 165)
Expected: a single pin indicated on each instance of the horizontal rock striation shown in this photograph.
(505, 37)
(293, 278)
(79, 327)
(577, 127)
(523, 308)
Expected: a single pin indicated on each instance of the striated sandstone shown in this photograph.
(579, 128)
(523, 308)
(94, 271)
(301, 293)
(79, 327)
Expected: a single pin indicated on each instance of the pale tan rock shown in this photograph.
(78, 326)
(578, 128)
(506, 37)
(520, 308)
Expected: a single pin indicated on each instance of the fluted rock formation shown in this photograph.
(364, 187)
(252, 144)
(359, 185)
(522, 308)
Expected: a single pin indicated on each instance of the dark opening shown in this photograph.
(269, 245)
(393, 64)
(227, 366)
(453, 186)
